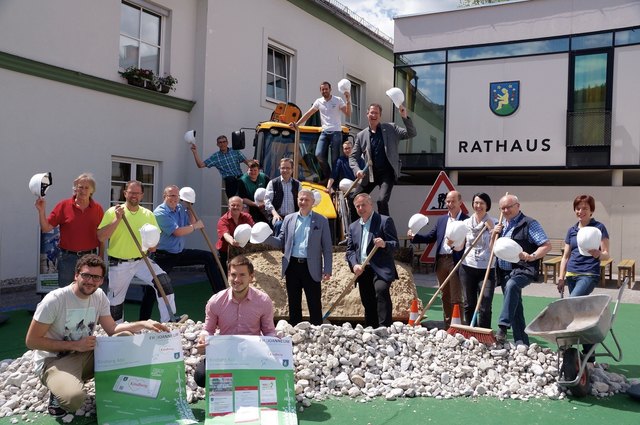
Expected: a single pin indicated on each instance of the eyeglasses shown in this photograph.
(508, 207)
(222, 141)
(93, 277)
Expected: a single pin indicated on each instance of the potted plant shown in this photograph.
(138, 76)
(166, 83)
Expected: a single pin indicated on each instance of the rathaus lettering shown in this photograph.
(490, 146)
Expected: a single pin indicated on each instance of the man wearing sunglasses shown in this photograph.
(61, 333)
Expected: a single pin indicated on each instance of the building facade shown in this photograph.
(533, 97)
(66, 109)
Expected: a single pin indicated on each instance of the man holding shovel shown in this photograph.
(374, 282)
(176, 223)
(125, 255)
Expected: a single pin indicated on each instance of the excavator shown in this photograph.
(275, 139)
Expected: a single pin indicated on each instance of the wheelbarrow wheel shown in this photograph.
(570, 369)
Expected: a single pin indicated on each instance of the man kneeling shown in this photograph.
(61, 333)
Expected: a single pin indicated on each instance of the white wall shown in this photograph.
(625, 125)
(505, 22)
(217, 52)
(534, 135)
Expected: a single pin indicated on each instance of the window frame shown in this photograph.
(116, 184)
(357, 102)
(164, 16)
(291, 56)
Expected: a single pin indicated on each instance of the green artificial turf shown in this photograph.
(619, 410)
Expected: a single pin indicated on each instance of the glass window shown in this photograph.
(509, 50)
(356, 103)
(628, 37)
(594, 41)
(420, 58)
(424, 88)
(588, 118)
(124, 170)
(278, 74)
(140, 37)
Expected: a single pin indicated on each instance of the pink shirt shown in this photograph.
(251, 316)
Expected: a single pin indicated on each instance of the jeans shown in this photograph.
(328, 139)
(66, 268)
(231, 185)
(582, 284)
(579, 286)
(512, 314)
(386, 182)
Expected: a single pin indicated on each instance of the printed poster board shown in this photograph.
(140, 379)
(250, 380)
(48, 253)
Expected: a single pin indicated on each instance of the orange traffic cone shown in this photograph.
(413, 313)
(455, 317)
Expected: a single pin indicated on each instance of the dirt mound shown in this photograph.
(268, 268)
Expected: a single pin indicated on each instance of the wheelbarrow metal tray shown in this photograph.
(569, 321)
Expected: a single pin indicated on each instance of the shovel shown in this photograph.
(349, 286)
(173, 317)
(210, 245)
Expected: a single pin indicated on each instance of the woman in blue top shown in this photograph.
(582, 272)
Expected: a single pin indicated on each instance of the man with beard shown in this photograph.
(61, 333)
(125, 259)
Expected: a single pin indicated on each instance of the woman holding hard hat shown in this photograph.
(475, 264)
(586, 244)
(583, 250)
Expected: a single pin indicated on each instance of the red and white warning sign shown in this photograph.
(435, 206)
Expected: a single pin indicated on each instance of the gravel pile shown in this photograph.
(398, 361)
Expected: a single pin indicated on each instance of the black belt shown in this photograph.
(298, 260)
(123, 260)
(445, 256)
(78, 253)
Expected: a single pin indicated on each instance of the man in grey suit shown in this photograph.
(378, 144)
(374, 281)
(306, 242)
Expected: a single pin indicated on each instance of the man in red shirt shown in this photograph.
(238, 310)
(227, 226)
(78, 218)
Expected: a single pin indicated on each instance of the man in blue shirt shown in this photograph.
(175, 222)
(513, 277)
(227, 161)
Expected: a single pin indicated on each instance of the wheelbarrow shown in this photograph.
(573, 321)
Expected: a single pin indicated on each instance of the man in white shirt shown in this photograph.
(330, 108)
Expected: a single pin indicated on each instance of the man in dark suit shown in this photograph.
(305, 239)
(446, 256)
(378, 144)
(374, 280)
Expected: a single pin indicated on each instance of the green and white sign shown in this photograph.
(140, 379)
(250, 380)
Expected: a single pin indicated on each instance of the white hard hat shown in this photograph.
(456, 232)
(344, 85)
(150, 236)
(345, 184)
(317, 197)
(260, 232)
(396, 96)
(188, 194)
(588, 238)
(259, 195)
(190, 136)
(417, 222)
(39, 183)
(507, 249)
(242, 234)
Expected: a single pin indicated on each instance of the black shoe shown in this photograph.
(501, 336)
(54, 407)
